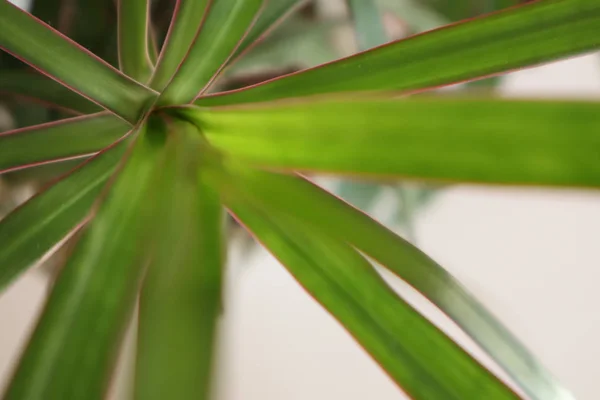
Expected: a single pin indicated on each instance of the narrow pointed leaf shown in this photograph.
(325, 213)
(185, 23)
(368, 24)
(226, 24)
(473, 140)
(41, 89)
(180, 299)
(64, 61)
(518, 37)
(272, 14)
(134, 18)
(57, 141)
(33, 229)
(75, 342)
(417, 356)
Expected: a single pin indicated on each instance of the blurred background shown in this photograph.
(529, 254)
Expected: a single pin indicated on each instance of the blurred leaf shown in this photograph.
(48, 11)
(415, 14)
(31, 230)
(66, 62)
(360, 194)
(73, 347)
(325, 214)
(41, 89)
(225, 25)
(180, 299)
(297, 43)
(134, 20)
(416, 354)
(442, 139)
(95, 27)
(369, 28)
(540, 32)
(23, 115)
(185, 23)
(57, 141)
(273, 13)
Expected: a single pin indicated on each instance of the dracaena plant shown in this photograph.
(167, 157)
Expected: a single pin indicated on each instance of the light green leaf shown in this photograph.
(443, 139)
(38, 88)
(417, 355)
(369, 28)
(325, 213)
(185, 24)
(73, 347)
(133, 21)
(31, 230)
(518, 37)
(66, 62)
(226, 24)
(58, 141)
(272, 14)
(180, 299)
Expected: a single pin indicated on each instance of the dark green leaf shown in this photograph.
(44, 90)
(134, 18)
(35, 227)
(443, 139)
(180, 299)
(73, 347)
(225, 26)
(417, 356)
(519, 37)
(71, 65)
(57, 141)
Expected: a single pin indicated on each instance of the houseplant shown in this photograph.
(165, 155)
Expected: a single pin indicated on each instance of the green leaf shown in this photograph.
(73, 347)
(58, 141)
(30, 231)
(443, 139)
(325, 213)
(41, 89)
(225, 26)
(71, 65)
(134, 18)
(518, 37)
(369, 27)
(272, 14)
(185, 23)
(180, 299)
(417, 355)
